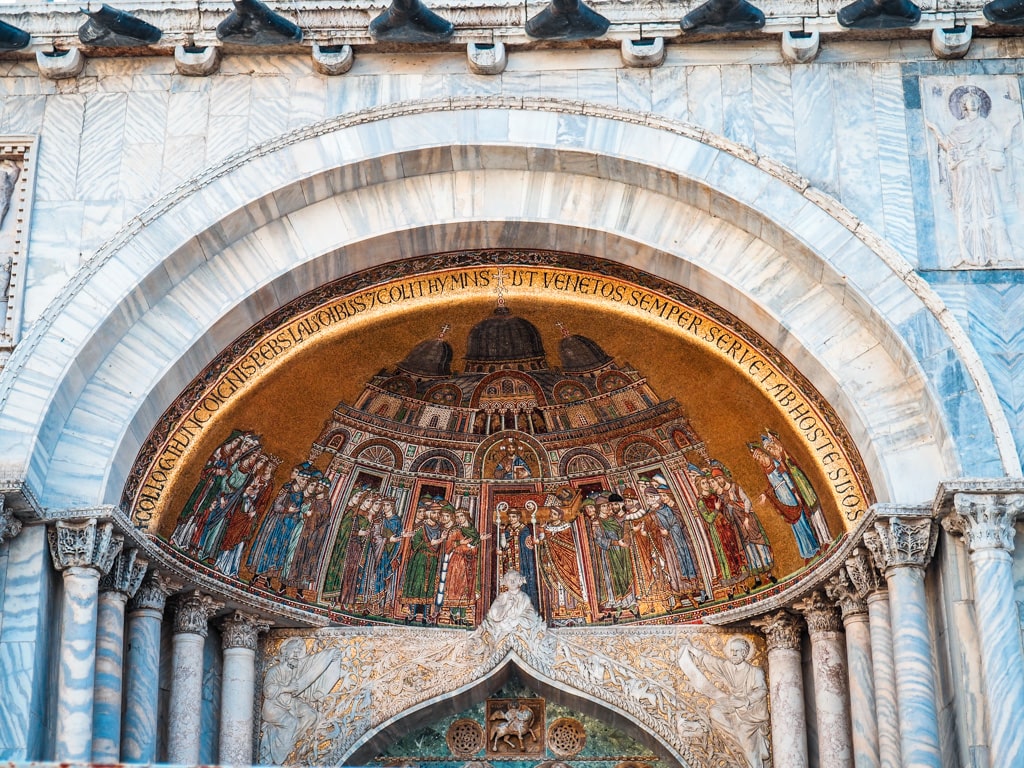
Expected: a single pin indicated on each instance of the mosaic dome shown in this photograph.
(429, 359)
(504, 338)
(580, 354)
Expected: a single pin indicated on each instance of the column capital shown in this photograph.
(126, 573)
(193, 612)
(846, 595)
(781, 630)
(152, 593)
(84, 544)
(10, 526)
(903, 542)
(985, 520)
(241, 630)
(819, 613)
(861, 568)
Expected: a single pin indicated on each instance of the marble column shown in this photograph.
(120, 583)
(871, 586)
(82, 551)
(185, 708)
(831, 696)
(786, 689)
(987, 522)
(142, 668)
(238, 688)
(905, 545)
(859, 667)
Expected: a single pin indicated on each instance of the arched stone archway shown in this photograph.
(88, 381)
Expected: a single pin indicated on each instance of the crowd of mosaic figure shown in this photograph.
(417, 499)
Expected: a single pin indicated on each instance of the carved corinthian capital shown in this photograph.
(193, 612)
(10, 526)
(846, 595)
(904, 542)
(985, 520)
(126, 574)
(84, 544)
(781, 630)
(153, 592)
(861, 568)
(241, 630)
(819, 613)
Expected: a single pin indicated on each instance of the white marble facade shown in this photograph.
(861, 211)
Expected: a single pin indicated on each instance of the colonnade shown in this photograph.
(109, 594)
(868, 627)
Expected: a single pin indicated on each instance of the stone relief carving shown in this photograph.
(323, 691)
(975, 131)
(84, 544)
(738, 692)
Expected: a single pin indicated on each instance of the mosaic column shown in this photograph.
(831, 697)
(120, 583)
(859, 667)
(185, 708)
(987, 523)
(82, 551)
(142, 668)
(238, 639)
(786, 689)
(870, 584)
(905, 545)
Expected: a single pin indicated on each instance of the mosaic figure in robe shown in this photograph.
(612, 561)
(516, 553)
(782, 494)
(773, 445)
(561, 568)
(458, 582)
(419, 584)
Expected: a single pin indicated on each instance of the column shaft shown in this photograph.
(789, 732)
(142, 686)
(887, 714)
(236, 720)
(185, 707)
(915, 676)
(862, 691)
(77, 665)
(1002, 660)
(106, 744)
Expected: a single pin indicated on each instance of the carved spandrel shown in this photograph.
(193, 612)
(819, 613)
(242, 630)
(84, 544)
(125, 574)
(974, 129)
(781, 630)
(153, 592)
(904, 542)
(986, 521)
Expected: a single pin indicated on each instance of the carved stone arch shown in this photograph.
(449, 703)
(379, 447)
(435, 454)
(568, 456)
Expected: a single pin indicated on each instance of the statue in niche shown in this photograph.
(738, 693)
(972, 156)
(290, 689)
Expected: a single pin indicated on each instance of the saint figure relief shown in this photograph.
(738, 694)
(972, 156)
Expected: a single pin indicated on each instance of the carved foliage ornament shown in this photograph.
(861, 568)
(241, 630)
(126, 574)
(846, 595)
(153, 592)
(10, 526)
(193, 613)
(84, 544)
(986, 520)
(819, 613)
(781, 630)
(904, 542)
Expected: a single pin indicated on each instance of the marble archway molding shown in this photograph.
(192, 271)
(683, 687)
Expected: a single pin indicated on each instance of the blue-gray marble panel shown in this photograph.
(59, 147)
(859, 183)
(352, 93)
(187, 112)
(597, 86)
(518, 84)
(468, 84)
(704, 97)
(146, 117)
(773, 114)
(813, 114)
(737, 98)
(634, 89)
(212, 672)
(669, 94)
(894, 171)
(23, 114)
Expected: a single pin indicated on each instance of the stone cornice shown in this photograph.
(944, 495)
(194, 23)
